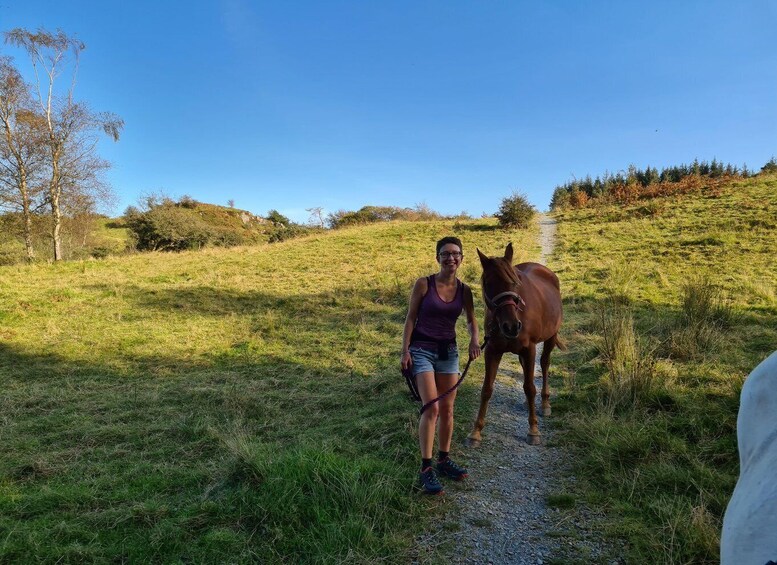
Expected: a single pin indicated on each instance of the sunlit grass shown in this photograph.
(698, 280)
(220, 406)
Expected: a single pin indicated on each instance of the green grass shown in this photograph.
(696, 281)
(220, 406)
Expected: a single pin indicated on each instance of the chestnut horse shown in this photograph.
(523, 309)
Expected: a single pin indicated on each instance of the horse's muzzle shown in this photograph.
(511, 329)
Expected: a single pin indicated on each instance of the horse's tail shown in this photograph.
(560, 344)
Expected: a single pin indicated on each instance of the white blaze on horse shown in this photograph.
(750, 524)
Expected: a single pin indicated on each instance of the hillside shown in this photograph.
(99, 236)
(245, 404)
(652, 411)
(222, 405)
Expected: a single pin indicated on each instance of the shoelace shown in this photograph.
(451, 465)
(430, 477)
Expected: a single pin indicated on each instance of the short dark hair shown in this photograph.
(450, 239)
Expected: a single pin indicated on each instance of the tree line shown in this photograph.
(635, 183)
(49, 166)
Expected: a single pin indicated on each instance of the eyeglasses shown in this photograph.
(448, 254)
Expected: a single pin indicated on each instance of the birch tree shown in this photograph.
(22, 152)
(70, 126)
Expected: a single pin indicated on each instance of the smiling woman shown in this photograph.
(429, 350)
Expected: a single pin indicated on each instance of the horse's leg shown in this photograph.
(547, 347)
(492, 359)
(527, 357)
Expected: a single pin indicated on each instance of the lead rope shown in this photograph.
(454, 387)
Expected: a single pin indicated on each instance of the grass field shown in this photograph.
(219, 406)
(669, 305)
(246, 405)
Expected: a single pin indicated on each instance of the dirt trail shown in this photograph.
(499, 514)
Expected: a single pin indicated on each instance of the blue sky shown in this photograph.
(291, 105)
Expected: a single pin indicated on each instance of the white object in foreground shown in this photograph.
(750, 524)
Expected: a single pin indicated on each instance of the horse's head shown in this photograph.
(501, 285)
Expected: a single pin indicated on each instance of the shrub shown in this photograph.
(515, 211)
(282, 233)
(187, 201)
(100, 252)
(372, 214)
(226, 237)
(167, 228)
(277, 218)
(9, 257)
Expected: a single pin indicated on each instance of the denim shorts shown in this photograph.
(425, 361)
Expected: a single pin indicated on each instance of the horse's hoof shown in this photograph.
(532, 440)
(546, 410)
(472, 442)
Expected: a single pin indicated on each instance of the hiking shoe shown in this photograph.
(429, 482)
(449, 469)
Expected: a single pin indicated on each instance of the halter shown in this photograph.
(513, 299)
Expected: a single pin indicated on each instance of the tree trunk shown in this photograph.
(56, 236)
(55, 190)
(28, 238)
(27, 216)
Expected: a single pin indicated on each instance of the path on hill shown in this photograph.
(499, 514)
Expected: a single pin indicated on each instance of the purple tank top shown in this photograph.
(437, 318)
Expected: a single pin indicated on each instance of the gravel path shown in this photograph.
(499, 514)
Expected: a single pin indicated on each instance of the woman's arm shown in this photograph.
(472, 324)
(419, 290)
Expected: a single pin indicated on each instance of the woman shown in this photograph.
(429, 349)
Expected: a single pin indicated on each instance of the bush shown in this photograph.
(278, 219)
(365, 215)
(9, 257)
(187, 201)
(100, 252)
(226, 237)
(372, 214)
(515, 211)
(282, 233)
(167, 228)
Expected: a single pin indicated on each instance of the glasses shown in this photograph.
(449, 254)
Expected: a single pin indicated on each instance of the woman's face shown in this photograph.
(449, 257)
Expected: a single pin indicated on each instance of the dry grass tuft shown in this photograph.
(630, 364)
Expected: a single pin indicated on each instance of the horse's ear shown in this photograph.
(509, 253)
(484, 260)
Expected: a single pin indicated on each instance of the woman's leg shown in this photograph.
(445, 382)
(427, 388)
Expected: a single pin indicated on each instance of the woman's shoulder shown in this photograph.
(422, 284)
